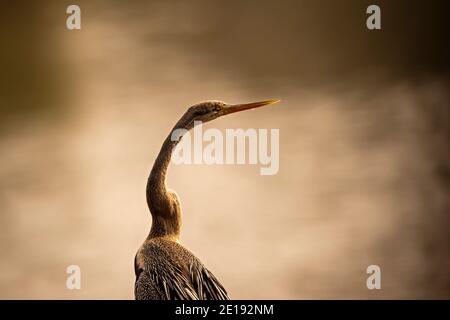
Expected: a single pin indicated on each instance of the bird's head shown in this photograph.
(210, 110)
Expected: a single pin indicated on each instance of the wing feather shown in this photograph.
(201, 284)
(173, 284)
(166, 278)
(206, 284)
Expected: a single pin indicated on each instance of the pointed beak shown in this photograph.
(247, 106)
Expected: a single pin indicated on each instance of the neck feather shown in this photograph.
(163, 204)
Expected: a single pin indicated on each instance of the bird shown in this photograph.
(164, 268)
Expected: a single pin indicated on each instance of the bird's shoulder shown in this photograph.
(161, 250)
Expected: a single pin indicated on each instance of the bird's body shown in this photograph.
(184, 276)
(165, 270)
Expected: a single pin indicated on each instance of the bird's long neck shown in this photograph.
(163, 204)
(157, 178)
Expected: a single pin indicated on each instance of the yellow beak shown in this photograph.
(247, 106)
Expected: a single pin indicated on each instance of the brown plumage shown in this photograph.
(164, 269)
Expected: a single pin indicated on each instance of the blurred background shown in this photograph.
(364, 136)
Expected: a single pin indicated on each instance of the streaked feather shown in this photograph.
(184, 278)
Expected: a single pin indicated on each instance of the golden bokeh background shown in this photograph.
(364, 135)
